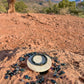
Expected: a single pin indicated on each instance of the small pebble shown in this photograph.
(15, 64)
(26, 76)
(17, 69)
(27, 82)
(55, 76)
(53, 81)
(21, 59)
(63, 64)
(54, 65)
(22, 80)
(55, 60)
(6, 77)
(15, 72)
(22, 70)
(11, 74)
(61, 77)
(61, 72)
(52, 68)
(8, 71)
(32, 82)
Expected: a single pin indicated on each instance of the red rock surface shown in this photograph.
(64, 34)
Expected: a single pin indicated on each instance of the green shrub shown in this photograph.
(56, 9)
(5, 4)
(20, 6)
(2, 9)
(64, 11)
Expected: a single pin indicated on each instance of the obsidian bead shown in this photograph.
(6, 77)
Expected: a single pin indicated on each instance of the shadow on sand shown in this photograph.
(7, 53)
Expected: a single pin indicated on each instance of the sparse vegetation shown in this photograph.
(63, 7)
(20, 6)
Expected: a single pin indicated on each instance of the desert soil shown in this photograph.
(61, 34)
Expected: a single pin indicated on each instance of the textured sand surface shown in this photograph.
(61, 34)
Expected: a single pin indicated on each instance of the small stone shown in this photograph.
(55, 60)
(58, 68)
(8, 71)
(32, 82)
(37, 82)
(27, 82)
(15, 72)
(53, 81)
(29, 78)
(22, 80)
(63, 64)
(61, 77)
(17, 69)
(22, 70)
(61, 72)
(54, 64)
(21, 59)
(11, 74)
(37, 77)
(55, 75)
(15, 64)
(26, 76)
(42, 79)
(52, 68)
(6, 77)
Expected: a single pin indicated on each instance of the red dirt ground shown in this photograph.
(64, 34)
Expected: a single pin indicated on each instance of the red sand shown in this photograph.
(21, 33)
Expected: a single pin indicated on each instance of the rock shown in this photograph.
(6, 77)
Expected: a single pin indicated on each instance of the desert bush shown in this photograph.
(2, 9)
(64, 11)
(20, 6)
(5, 4)
(56, 9)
